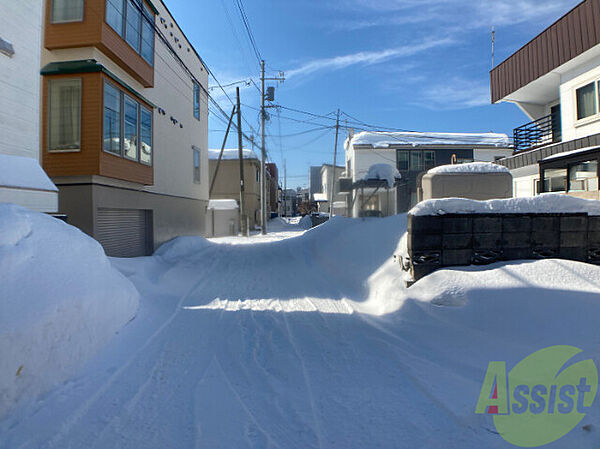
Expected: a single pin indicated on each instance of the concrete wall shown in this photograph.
(173, 216)
(475, 186)
(222, 223)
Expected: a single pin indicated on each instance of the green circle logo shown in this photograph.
(541, 400)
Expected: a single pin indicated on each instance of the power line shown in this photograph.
(246, 23)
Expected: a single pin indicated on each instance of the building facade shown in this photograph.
(412, 154)
(555, 80)
(124, 122)
(328, 175)
(227, 182)
(272, 188)
(22, 180)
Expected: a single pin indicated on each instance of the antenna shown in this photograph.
(493, 44)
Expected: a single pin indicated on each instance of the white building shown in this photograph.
(22, 180)
(412, 154)
(558, 90)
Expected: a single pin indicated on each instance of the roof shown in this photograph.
(231, 154)
(24, 173)
(573, 34)
(416, 139)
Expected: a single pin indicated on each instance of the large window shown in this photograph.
(416, 162)
(134, 21)
(127, 126)
(429, 159)
(196, 101)
(112, 120)
(130, 129)
(402, 156)
(583, 176)
(555, 180)
(66, 11)
(64, 115)
(587, 101)
(196, 165)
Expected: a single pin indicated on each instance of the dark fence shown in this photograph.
(535, 134)
(480, 239)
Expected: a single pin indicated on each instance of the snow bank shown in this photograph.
(472, 167)
(305, 222)
(223, 204)
(385, 172)
(24, 173)
(60, 302)
(387, 139)
(546, 203)
(231, 154)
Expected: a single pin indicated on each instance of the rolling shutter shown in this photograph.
(124, 232)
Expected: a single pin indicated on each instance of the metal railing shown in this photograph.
(540, 132)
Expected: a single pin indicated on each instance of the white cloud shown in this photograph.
(455, 93)
(365, 58)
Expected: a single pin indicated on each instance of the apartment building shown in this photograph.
(124, 122)
(412, 154)
(22, 180)
(555, 80)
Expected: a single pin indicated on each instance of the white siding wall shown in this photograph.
(571, 81)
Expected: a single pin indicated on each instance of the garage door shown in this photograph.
(125, 232)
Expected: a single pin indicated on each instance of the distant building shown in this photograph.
(554, 80)
(324, 196)
(412, 154)
(227, 184)
(289, 203)
(273, 187)
(22, 180)
(314, 181)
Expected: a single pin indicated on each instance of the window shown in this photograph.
(196, 101)
(583, 176)
(402, 157)
(146, 135)
(112, 120)
(133, 20)
(416, 164)
(133, 24)
(429, 159)
(257, 175)
(130, 129)
(555, 180)
(114, 15)
(586, 101)
(66, 11)
(196, 165)
(64, 114)
(148, 35)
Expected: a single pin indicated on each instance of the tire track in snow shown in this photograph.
(87, 405)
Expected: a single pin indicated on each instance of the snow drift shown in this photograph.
(469, 168)
(60, 301)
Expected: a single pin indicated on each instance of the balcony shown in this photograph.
(543, 131)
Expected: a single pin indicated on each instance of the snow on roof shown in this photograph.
(384, 172)
(320, 197)
(223, 204)
(570, 153)
(550, 203)
(472, 167)
(415, 139)
(231, 154)
(24, 173)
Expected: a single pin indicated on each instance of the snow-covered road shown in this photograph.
(311, 341)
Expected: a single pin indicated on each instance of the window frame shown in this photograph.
(54, 21)
(121, 132)
(49, 115)
(196, 101)
(596, 115)
(137, 127)
(404, 152)
(140, 107)
(197, 169)
(146, 13)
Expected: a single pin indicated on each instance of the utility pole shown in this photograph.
(243, 223)
(493, 45)
(284, 189)
(332, 186)
(212, 184)
(269, 95)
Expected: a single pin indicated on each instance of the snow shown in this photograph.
(469, 168)
(320, 197)
(545, 203)
(384, 172)
(569, 153)
(24, 173)
(231, 154)
(309, 339)
(223, 205)
(387, 139)
(305, 222)
(60, 302)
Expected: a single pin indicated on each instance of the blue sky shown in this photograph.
(419, 65)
